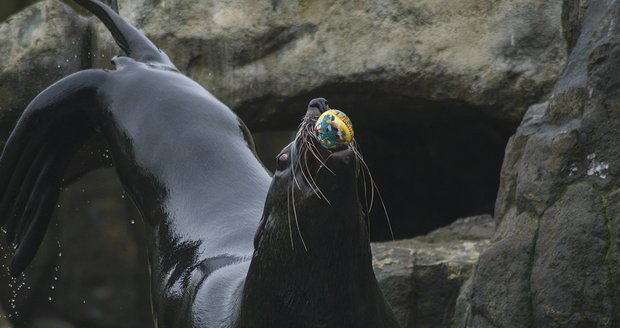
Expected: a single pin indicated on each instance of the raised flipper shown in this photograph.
(34, 159)
(133, 42)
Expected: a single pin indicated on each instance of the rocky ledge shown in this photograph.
(422, 277)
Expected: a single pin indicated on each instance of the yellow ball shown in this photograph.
(334, 129)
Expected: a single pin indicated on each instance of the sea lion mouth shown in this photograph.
(316, 158)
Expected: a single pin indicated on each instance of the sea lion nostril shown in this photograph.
(319, 103)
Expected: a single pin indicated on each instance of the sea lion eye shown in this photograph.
(282, 160)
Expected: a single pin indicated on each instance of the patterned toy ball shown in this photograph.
(333, 129)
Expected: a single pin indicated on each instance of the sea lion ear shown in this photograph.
(283, 160)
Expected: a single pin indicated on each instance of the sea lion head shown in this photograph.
(313, 201)
(312, 264)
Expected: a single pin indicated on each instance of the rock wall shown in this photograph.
(554, 261)
(434, 88)
(264, 58)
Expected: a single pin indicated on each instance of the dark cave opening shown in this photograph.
(433, 171)
(434, 162)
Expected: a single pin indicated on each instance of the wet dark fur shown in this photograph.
(187, 162)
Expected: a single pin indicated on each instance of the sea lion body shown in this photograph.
(175, 140)
(187, 161)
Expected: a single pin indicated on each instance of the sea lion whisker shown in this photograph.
(365, 185)
(375, 187)
(365, 188)
(309, 181)
(366, 170)
(297, 220)
(312, 183)
(294, 161)
(314, 152)
(387, 216)
(288, 213)
(298, 164)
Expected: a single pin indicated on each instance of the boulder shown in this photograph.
(554, 260)
(422, 277)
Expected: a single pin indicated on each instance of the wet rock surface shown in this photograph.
(554, 258)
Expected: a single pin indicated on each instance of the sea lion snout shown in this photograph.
(319, 103)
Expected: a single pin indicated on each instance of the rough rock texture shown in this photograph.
(422, 277)
(446, 80)
(434, 89)
(555, 257)
(39, 46)
(264, 58)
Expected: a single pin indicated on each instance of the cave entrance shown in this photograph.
(434, 162)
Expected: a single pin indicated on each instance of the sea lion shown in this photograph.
(187, 162)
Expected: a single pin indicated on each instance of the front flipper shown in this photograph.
(34, 159)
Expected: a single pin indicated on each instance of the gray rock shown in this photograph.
(443, 69)
(265, 58)
(422, 277)
(554, 259)
(446, 80)
(39, 46)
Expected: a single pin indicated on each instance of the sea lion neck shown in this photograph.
(319, 286)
